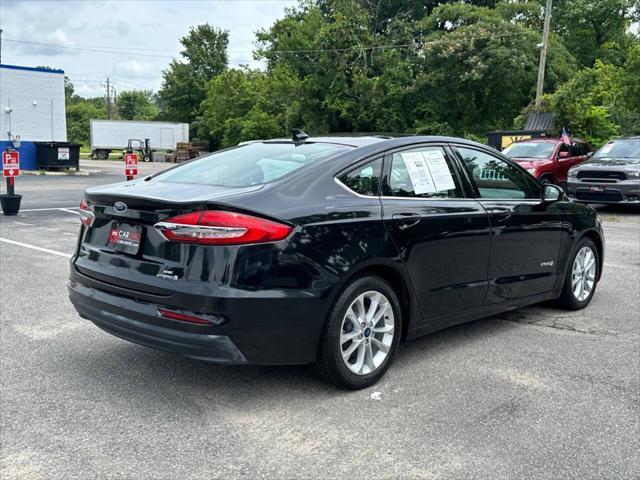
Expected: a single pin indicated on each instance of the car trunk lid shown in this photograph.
(122, 248)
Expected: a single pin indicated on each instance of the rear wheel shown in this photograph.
(581, 277)
(361, 334)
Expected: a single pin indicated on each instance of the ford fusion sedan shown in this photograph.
(611, 176)
(327, 251)
(548, 159)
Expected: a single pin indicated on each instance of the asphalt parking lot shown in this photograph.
(535, 393)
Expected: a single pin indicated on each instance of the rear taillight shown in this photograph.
(221, 228)
(86, 214)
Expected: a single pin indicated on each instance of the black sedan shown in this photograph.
(327, 251)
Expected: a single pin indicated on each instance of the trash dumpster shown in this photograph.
(57, 155)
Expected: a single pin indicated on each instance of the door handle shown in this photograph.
(405, 220)
(501, 214)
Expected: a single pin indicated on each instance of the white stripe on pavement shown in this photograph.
(69, 211)
(34, 247)
(47, 209)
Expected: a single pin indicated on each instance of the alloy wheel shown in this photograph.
(367, 331)
(583, 273)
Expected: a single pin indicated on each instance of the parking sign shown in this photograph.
(10, 164)
(130, 164)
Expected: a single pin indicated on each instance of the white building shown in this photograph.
(32, 106)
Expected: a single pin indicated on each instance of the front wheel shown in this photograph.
(361, 334)
(581, 278)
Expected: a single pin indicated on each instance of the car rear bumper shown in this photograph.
(257, 330)
(115, 315)
(612, 193)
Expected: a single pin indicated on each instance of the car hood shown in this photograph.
(610, 164)
(531, 162)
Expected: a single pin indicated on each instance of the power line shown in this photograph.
(88, 49)
(121, 51)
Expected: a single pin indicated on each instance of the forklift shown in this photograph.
(142, 148)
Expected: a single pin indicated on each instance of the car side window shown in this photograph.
(365, 179)
(423, 172)
(577, 149)
(563, 148)
(495, 178)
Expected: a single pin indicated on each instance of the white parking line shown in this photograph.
(64, 209)
(34, 247)
(69, 211)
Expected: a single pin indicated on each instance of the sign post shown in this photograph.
(130, 165)
(10, 170)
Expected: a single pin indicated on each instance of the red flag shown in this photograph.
(565, 137)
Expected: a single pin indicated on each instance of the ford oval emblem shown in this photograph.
(120, 207)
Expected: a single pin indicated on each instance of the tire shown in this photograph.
(546, 180)
(576, 299)
(146, 158)
(102, 155)
(368, 361)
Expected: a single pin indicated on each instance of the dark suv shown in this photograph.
(612, 175)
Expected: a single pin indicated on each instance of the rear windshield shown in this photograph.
(252, 164)
(620, 149)
(529, 150)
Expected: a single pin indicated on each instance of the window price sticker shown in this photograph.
(439, 170)
(418, 172)
(428, 171)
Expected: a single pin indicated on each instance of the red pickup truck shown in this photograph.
(549, 159)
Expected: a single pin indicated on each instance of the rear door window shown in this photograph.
(423, 172)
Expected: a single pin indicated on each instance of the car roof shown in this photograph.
(347, 140)
(624, 139)
(547, 140)
(382, 140)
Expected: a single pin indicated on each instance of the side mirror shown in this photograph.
(551, 193)
(590, 154)
(563, 155)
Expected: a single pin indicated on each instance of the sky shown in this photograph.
(131, 42)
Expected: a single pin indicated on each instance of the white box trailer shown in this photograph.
(108, 135)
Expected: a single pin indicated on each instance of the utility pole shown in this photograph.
(543, 53)
(108, 100)
(0, 45)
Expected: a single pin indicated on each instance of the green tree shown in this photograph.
(244, 104)
(601, 102)
(461, 67)
(137, 105)
(183, 89)
(477, 69)
(595, 29)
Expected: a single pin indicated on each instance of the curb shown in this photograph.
(81, 173)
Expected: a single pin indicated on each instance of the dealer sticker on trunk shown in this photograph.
(125, 238)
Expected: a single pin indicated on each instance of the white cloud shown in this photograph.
(89, 89)
(58, 37)
(135, 69)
